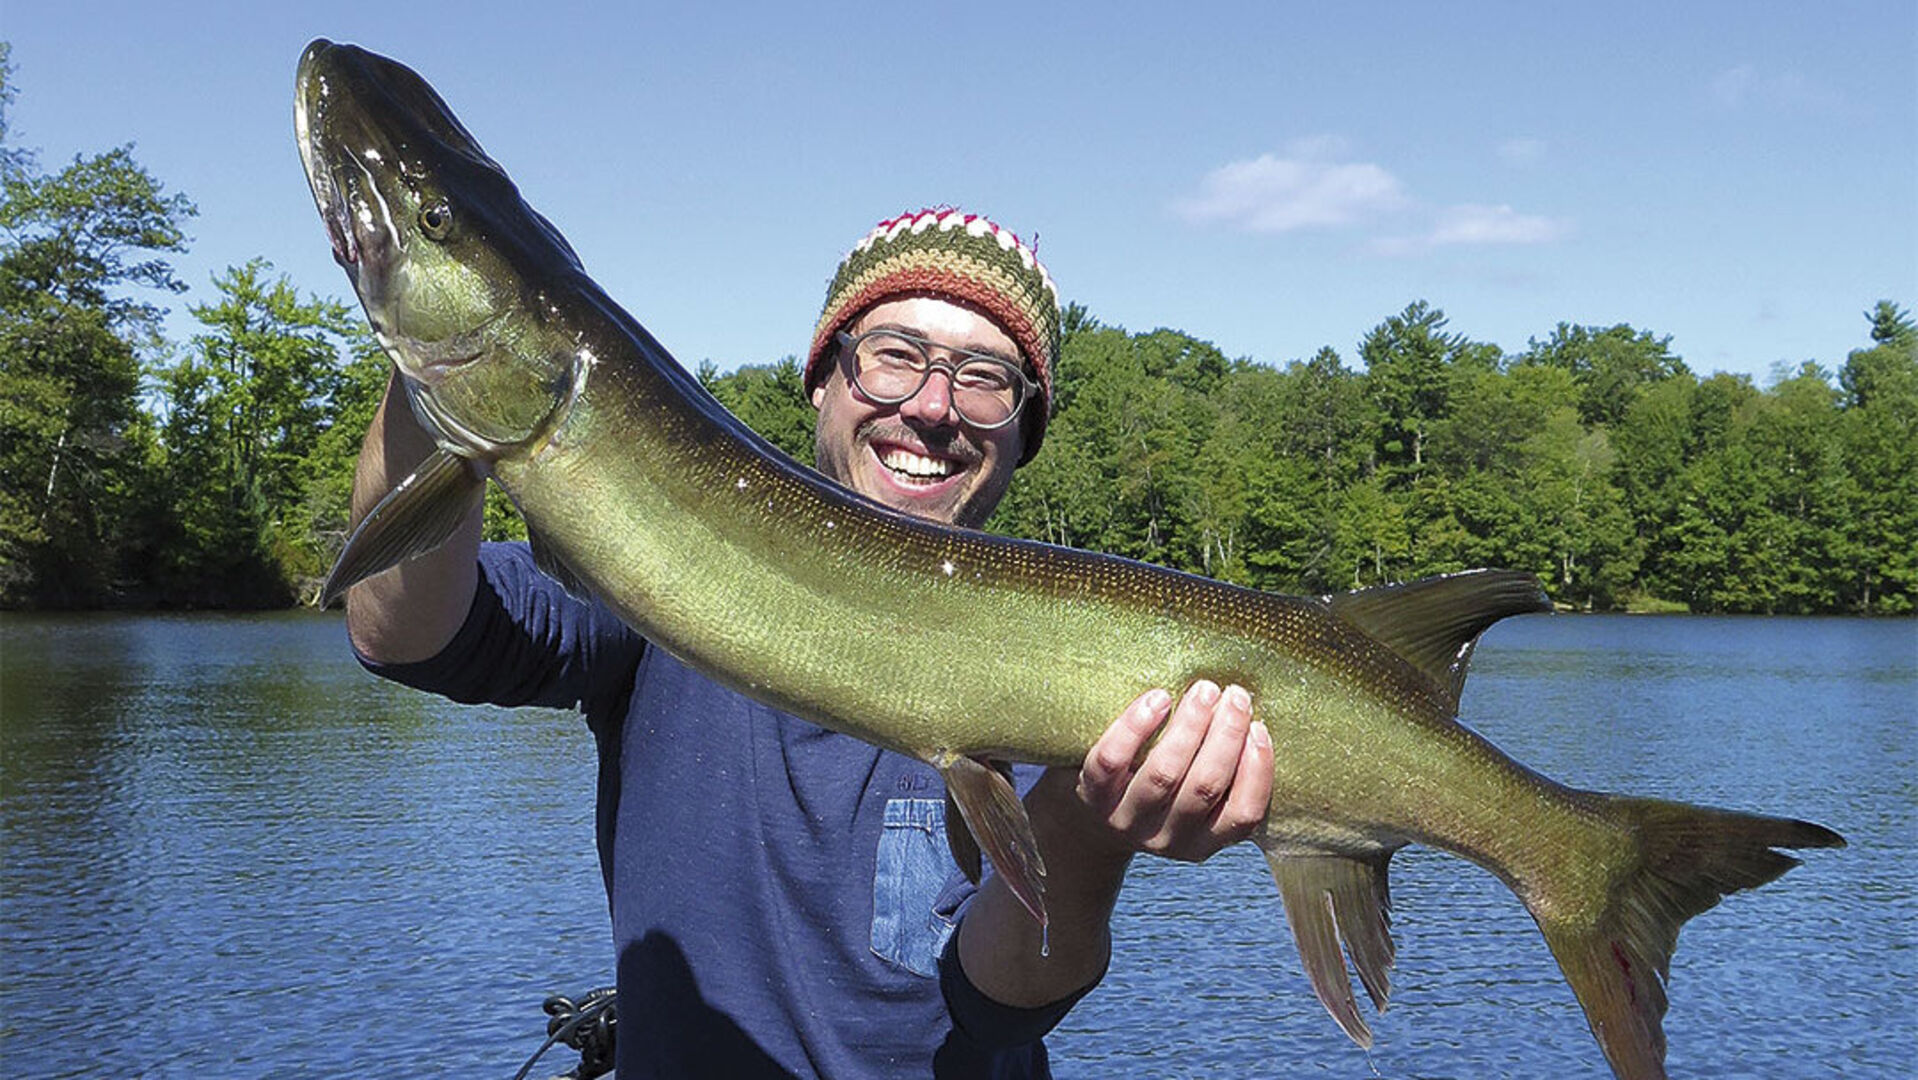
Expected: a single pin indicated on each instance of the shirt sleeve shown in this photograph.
(989, 1023)
(526, 641)
(982, 1019)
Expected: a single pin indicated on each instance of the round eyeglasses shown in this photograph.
(889, 366)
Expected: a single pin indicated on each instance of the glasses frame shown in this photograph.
(1025, 387)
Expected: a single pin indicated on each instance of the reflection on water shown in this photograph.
(228, 851)
(224, 851)
(1812, 976)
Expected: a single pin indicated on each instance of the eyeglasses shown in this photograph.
(889, 366)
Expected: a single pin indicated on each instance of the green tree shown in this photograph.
(1612, 366)
(325, 504)
(1306, 434)
(1891, 324)
(246, 408)
(1410, 362)
(1653, 445)
(1878, 440)
(770, 399)
(73, 442)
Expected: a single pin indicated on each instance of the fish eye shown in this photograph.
(436, 220)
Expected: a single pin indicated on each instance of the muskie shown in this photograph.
(639, 488)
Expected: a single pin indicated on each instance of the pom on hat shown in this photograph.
(949, 254)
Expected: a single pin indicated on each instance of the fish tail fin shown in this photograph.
(1687, 858)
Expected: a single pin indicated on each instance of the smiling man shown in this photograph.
(782, 897)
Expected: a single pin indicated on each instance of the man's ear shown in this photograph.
(819, 394)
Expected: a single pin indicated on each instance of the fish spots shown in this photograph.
(1624, 961)
(740, 483)
(947, 568)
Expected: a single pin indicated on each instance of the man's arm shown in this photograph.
(1202, 788)
(408, 613)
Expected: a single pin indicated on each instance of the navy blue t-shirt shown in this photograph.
(782, 897)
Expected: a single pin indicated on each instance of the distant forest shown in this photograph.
(213, 473)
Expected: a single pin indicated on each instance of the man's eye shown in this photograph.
(984, 377)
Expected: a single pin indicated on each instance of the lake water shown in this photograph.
(225, 851)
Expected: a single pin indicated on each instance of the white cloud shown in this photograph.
(1313, 184)
(1521, 151)
(1732, 88)
(1307, 188)
(1745, 85)
(1470, 223)
(1474, 225)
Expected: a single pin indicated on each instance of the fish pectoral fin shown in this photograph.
(990, 810)
(1331, 898)
(959, 840)
(1434, 623)
(550, 564)
(418, 515)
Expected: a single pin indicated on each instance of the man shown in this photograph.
(782, 898)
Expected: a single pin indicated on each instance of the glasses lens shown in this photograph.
(986, 391)
(890, 368)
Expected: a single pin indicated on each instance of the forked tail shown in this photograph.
(1689, 857)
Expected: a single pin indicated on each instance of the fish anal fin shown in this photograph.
(418, 515)
(990, 810)
(1435, 622)
(1332, 898)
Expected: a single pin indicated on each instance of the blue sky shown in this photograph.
(1270, 177)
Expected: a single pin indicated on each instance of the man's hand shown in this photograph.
(1202, 788)
(411, 611)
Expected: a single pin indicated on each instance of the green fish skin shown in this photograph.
(640, 489)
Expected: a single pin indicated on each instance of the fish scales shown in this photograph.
(953, 645)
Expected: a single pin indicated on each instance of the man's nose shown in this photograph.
(933, 403)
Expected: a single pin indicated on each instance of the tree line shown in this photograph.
(214, 472)
(1595, 458)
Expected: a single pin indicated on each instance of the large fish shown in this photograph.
(953, 646)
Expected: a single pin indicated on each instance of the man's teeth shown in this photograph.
(918, 466)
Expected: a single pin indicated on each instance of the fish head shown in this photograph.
(450, 264)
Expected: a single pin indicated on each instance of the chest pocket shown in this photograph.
(911, 919)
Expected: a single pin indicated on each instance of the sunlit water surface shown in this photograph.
(225, 851)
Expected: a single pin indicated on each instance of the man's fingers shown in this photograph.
(1108, 765)
(1251, 793)
(1155, 786)
(1216, 764)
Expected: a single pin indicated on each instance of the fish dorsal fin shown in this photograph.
(1434, 623)
(550, 564)
(414, 518)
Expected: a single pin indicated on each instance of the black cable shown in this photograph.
(588, 1025)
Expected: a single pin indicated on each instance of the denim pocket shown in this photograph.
(913, 868)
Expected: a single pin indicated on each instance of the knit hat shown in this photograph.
(949, 255)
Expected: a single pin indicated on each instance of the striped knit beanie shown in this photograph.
(949, 255)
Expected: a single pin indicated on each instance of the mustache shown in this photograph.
(952, 442)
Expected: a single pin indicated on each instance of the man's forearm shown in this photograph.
(410, 612)
(1000, 944)
(1201, 788)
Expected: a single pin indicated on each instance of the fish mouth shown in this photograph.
(339, 151)
(333, 213)
(308, 107)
